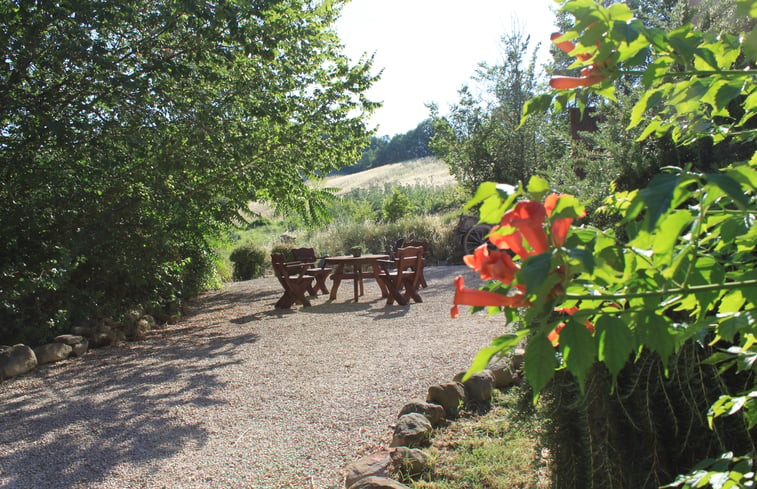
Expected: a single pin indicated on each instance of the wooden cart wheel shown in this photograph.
(475, 237)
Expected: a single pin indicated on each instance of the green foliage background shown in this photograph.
(132, 133)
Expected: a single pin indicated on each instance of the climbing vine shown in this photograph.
(679, 267)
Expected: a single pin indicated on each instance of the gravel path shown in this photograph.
(238, 394)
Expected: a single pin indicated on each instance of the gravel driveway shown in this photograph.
(238, 395)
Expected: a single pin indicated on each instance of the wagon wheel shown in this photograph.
(475, 237)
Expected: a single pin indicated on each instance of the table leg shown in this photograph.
(362, 289)
(377, 276)
(357, 279)
(337, 278)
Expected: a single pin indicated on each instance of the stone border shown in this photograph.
(404, 458)
(136, 323)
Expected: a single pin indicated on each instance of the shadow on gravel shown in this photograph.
(334, 307)
(221, 300)
(120, 405)
(246, 319)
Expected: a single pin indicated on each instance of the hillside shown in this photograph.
(424, 171)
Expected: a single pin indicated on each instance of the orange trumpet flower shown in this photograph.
(482, 298)
(528, 218)
(589, 75)
(568, 46)
(560, 226)
(493, 265)
(560, 82)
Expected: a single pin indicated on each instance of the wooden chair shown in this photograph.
(293, 279)
(426, 249)
(307, 256)
(402, 275)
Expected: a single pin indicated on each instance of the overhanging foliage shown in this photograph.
(132, 131)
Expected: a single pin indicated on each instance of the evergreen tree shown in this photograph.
(481, 139)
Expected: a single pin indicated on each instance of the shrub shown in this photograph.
(396, 206)
(285, 249)
(249, 262)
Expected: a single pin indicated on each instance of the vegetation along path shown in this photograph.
(238, 394)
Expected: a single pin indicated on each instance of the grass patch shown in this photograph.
(498, 450)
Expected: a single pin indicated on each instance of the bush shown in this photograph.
(285, 249)
(396, 206)
(249, 262)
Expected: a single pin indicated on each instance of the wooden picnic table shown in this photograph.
(355, 266)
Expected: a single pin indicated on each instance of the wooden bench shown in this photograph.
(293, 279)
(402, 276)
(307, 256)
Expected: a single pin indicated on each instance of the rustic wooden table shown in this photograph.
(355, 272)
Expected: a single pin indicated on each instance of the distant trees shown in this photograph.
(130, 132)
(401, 147)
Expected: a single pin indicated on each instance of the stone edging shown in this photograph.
(19, 359)
(404, 459)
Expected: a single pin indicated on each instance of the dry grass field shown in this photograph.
(424, 171)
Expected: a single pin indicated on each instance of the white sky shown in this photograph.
(428, 49)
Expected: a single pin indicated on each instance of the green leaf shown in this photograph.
(734, 227)
(567, 206)
(733, 301)
(620, 11)
(731, 187)
(711, 97)
(644, 240)
(605, 89)
(746, 8)
(750, 411)
(539, 362)
(684, 42)
(579, 349)
(584, 256)
(705, 59)
(744, 174)
(483, 192)
(669, 230)
(492, 209)
(750, 45)
(726, 406)
(729, 328)
(727, 93)
(656, 198)
(535, 105)
(625, 32)
(535, 271)
(656, 70)
(654, 332)
(655, 126)
(706, 271)
(498, 347)
(678, 258)
(537, 187)
(615, 342)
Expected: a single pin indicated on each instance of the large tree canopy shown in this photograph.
(133, 130)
